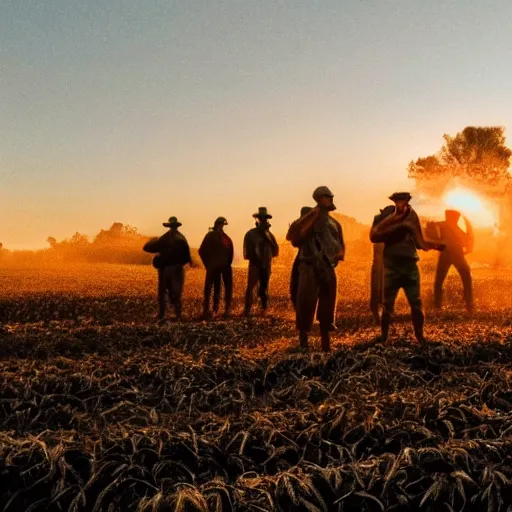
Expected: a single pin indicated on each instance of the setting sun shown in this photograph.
(471, 204)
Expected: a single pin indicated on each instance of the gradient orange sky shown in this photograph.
(138, 110)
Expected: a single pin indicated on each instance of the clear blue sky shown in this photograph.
(133, 111)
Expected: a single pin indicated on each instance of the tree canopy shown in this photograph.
(478, 155)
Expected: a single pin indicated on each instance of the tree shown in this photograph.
(477, 155)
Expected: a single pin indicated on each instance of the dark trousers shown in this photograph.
(213, 280)
(445, 261)
(257, 275)
(377, 286)
(170, 282)
(294, 282)
(404, 275)
(315, 294)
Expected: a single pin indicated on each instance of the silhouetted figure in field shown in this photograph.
(458, 244)
(260, 247)
(294, 278)
(216, 252)
(398, 228)
(173, 253)
(319, 238)
(377, 282)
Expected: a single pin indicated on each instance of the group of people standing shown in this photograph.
(396, 234)
(216, 253)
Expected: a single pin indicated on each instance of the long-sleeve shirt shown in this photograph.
(324, 240)
(455, 238)
(260, 246)
(172, 247)
(402, 241)
(216, 250)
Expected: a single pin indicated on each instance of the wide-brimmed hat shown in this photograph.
(400, 196)
(262, 213)
(322, 191)
(220, 221)
(173, 223)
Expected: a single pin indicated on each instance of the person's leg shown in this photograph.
(307, 298)
(412, 288)
(216, 289)
(443, 266)
(263, 288)
(162, 292)
(376, 287)
(227, 278)
(327, 308)
(392, 285)
(208, 283)
(464, 271)
(252, 281)
(176, 282)
(294, 282)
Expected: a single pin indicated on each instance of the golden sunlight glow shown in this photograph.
(469, 203)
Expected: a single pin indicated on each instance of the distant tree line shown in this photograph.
(121, 243)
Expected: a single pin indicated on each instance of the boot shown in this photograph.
(418, 321)
(326, 340)
(303, 340)
(177, 311)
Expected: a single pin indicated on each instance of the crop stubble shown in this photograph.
(101, 409)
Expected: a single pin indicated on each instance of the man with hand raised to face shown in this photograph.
(260, 247)
(399, 228)
(319, 238)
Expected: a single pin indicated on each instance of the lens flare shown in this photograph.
(469, 203)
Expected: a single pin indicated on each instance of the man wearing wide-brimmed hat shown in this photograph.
(260, 247)
(173, 253)
(216, 252)
(398, 228)
(319, 238)
(458, 244)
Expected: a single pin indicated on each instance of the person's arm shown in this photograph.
(187, 258)
(231, 251)
(152, 246)
(302, 227)
(414, 226)
(247, 245)
(383, 227)
(273, 244)
(204, 249)
(342, 240)
(470, 236)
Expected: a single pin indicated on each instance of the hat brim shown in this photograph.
(169, 225)
(259, 216)
(400, 198)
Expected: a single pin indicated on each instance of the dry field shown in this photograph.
(103, 410)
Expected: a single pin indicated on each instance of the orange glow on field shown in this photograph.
(469, 203)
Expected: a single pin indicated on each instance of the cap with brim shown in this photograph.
(173, 222)
(262, 213)
(322, 191)
(400, 196)
(220, 221)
